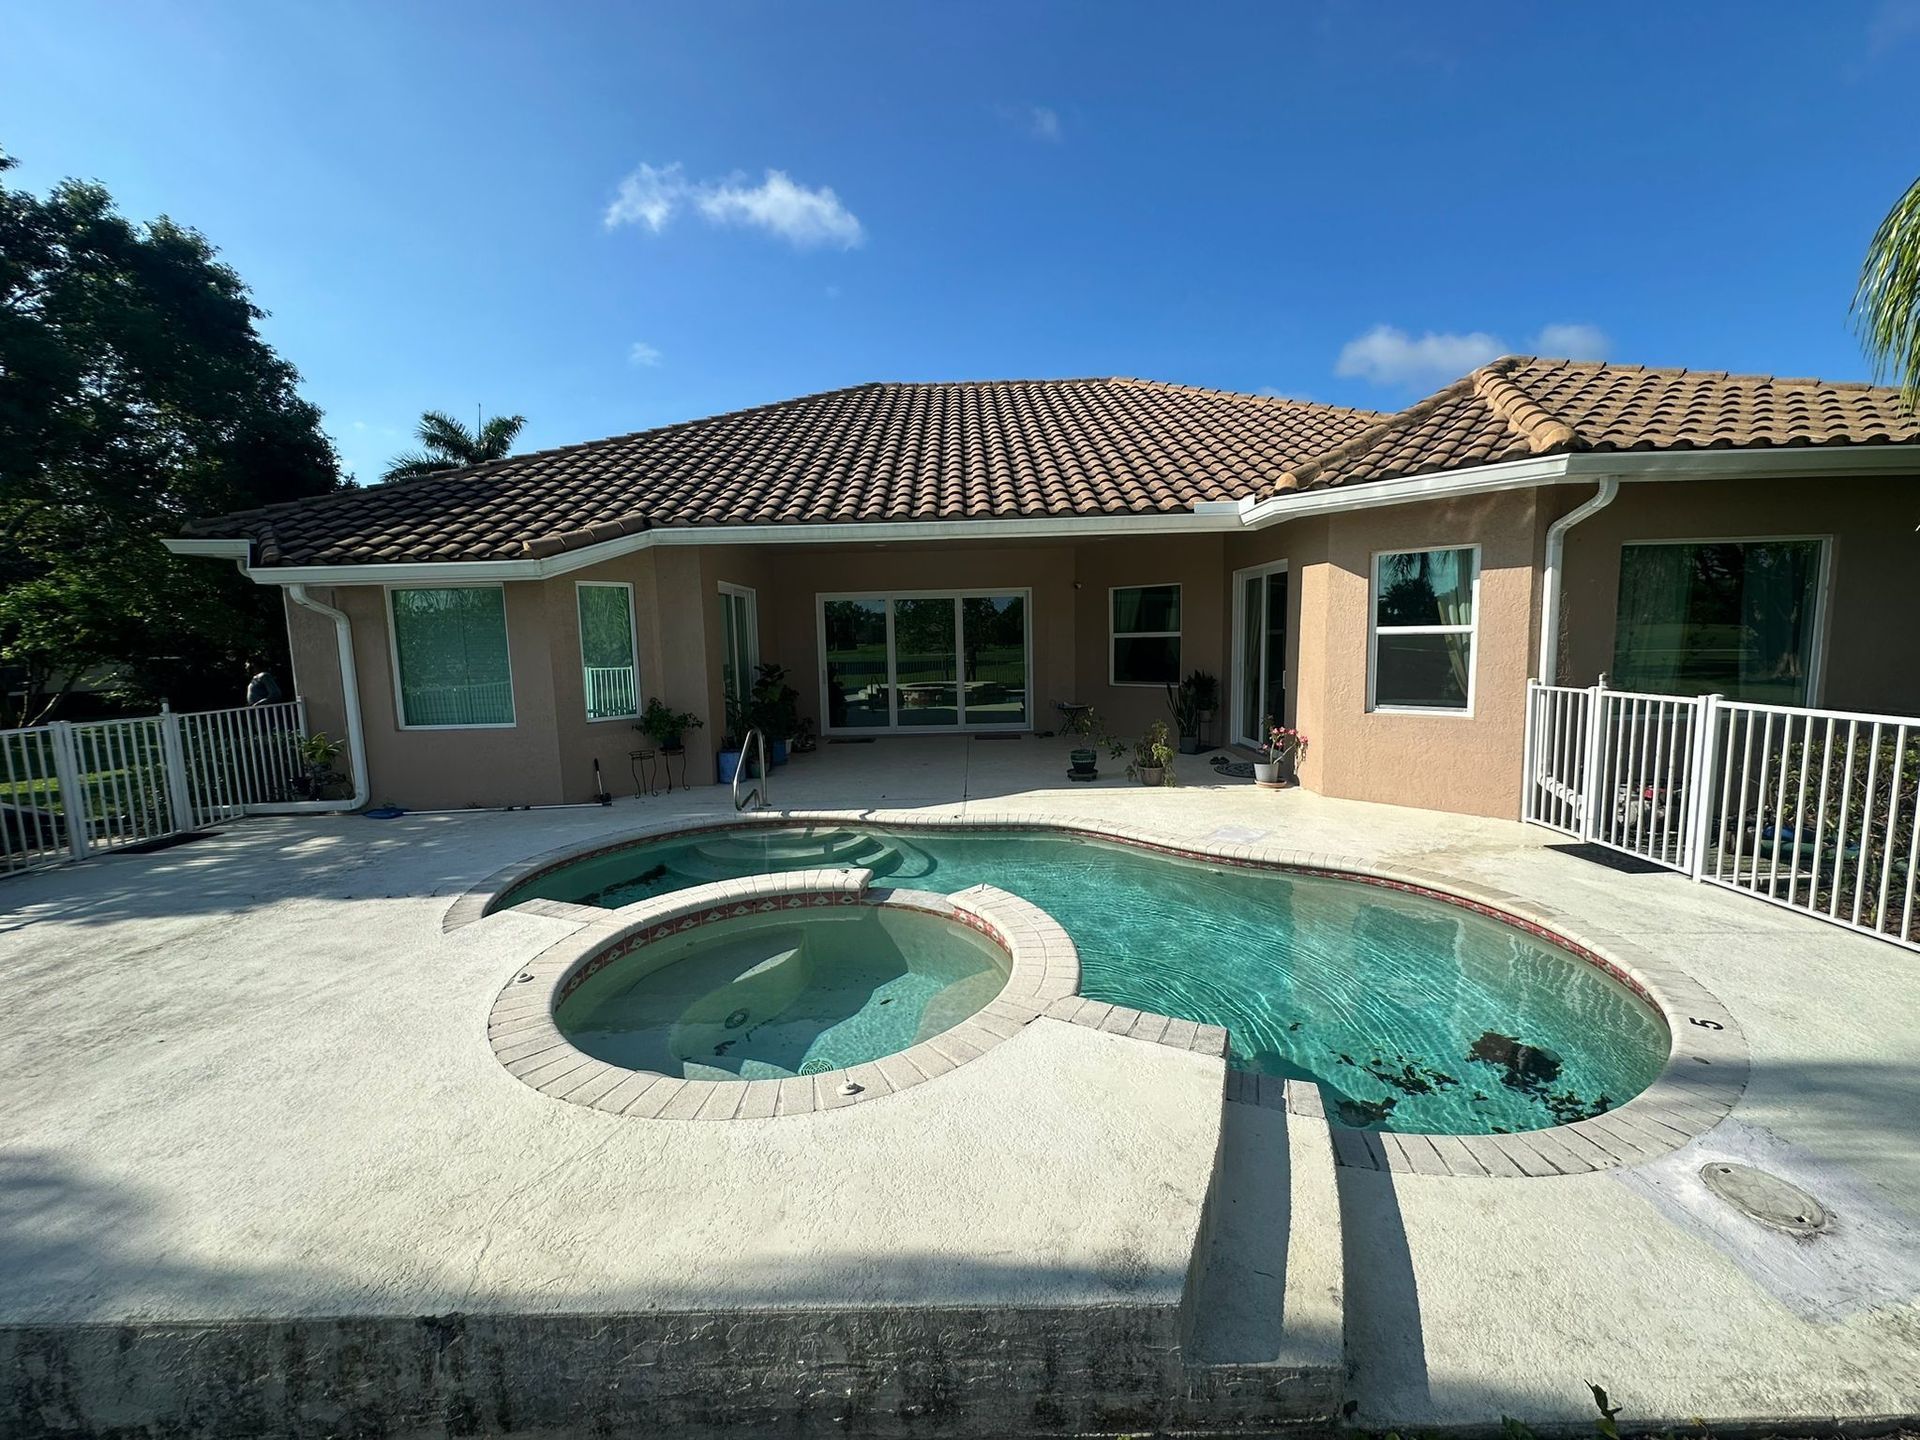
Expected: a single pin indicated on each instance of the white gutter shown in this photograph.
(356, 732)
(1556, 550)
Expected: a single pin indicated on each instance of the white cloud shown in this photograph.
(1388, 355)
(1044, 123)
(643, 354)
(647, 197)
(776, 204)
(652, 196)
(1572, 342)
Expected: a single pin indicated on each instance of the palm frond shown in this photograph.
(413, 463)
(444, 435)
(1886, 306)
(498, 434)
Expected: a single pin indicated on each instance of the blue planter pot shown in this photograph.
(777, 753)
(729, 761)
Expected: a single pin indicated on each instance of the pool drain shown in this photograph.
(1765, 1198)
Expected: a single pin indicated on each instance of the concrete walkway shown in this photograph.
(246, 1076)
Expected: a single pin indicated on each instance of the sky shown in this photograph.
(610, 217)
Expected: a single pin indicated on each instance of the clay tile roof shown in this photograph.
(995, 449)
(1521, 406)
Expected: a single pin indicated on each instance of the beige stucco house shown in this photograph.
(956, 558)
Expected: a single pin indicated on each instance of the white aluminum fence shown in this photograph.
(1814, 810)
(70, 790)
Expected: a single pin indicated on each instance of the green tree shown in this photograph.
(1887, 305)
(135, 393)
(446, 444)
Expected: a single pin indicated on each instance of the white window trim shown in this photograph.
(393, 657)
(1240, 622)
(1822, 596)
(961, 725)
(1114, 636)
(1447, 712)
(633, 640)
(752, 597)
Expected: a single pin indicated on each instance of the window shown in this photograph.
(1146, 635)
(1423, 629)
(739, 640)
(1737, 618)
(450, 656)
(925, 662)
(609, 670)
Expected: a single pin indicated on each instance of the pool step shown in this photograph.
(733, 855)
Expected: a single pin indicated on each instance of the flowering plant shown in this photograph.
(1284, 742)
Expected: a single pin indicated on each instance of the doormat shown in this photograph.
(850, 740)
(996, 735)
(1232, 769)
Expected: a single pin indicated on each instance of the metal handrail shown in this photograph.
(758, 793)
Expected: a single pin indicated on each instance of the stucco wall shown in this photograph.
(1469, 763)
(1872, 643)
(1194, 563)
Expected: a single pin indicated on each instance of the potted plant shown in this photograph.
(317, 775)
(667, 727)
(1153, 757)
(739, 721)
(775, 708)
(1085, 758)
(1206, 697)
(1191, 703)
(1283, 750)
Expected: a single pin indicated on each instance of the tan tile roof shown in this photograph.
(1042, 448)
(1519, 406)
(996, 449)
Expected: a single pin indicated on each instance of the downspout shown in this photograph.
(350, 694)
(1556, 548)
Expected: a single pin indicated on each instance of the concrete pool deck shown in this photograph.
(249, 1077)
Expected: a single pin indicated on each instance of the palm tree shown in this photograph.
(449, 445)
(1887, 303)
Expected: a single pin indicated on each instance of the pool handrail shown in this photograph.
(757, 793)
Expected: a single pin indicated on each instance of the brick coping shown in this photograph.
(1704, 1077)
(1042, 966)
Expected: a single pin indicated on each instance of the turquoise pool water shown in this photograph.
(1412, 1014)
(763, 997)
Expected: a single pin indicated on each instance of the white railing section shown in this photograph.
(71, 790)
(612, 692)
(1814, 810)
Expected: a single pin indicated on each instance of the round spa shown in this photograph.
(788, 992)
(774, 995)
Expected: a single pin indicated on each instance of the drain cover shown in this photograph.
(1766, 1198)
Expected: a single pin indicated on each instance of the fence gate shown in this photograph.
(71, 790)
(1814, 810)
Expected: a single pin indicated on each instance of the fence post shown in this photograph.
(1590, 763)
(1526, 752)
(1706, 751)
(73, 792)
(179, 792)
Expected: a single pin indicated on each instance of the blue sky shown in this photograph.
(611, 218)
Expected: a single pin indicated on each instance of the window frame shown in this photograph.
(633, 643)
(1115, 636)
(727, 590)
(962, 725)
(1822, 599)
(393, 656)
(1472, 632)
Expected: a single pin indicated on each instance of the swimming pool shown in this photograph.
(1411, 1013)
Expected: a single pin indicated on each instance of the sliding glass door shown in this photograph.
(1259, 651)
(925, 663)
